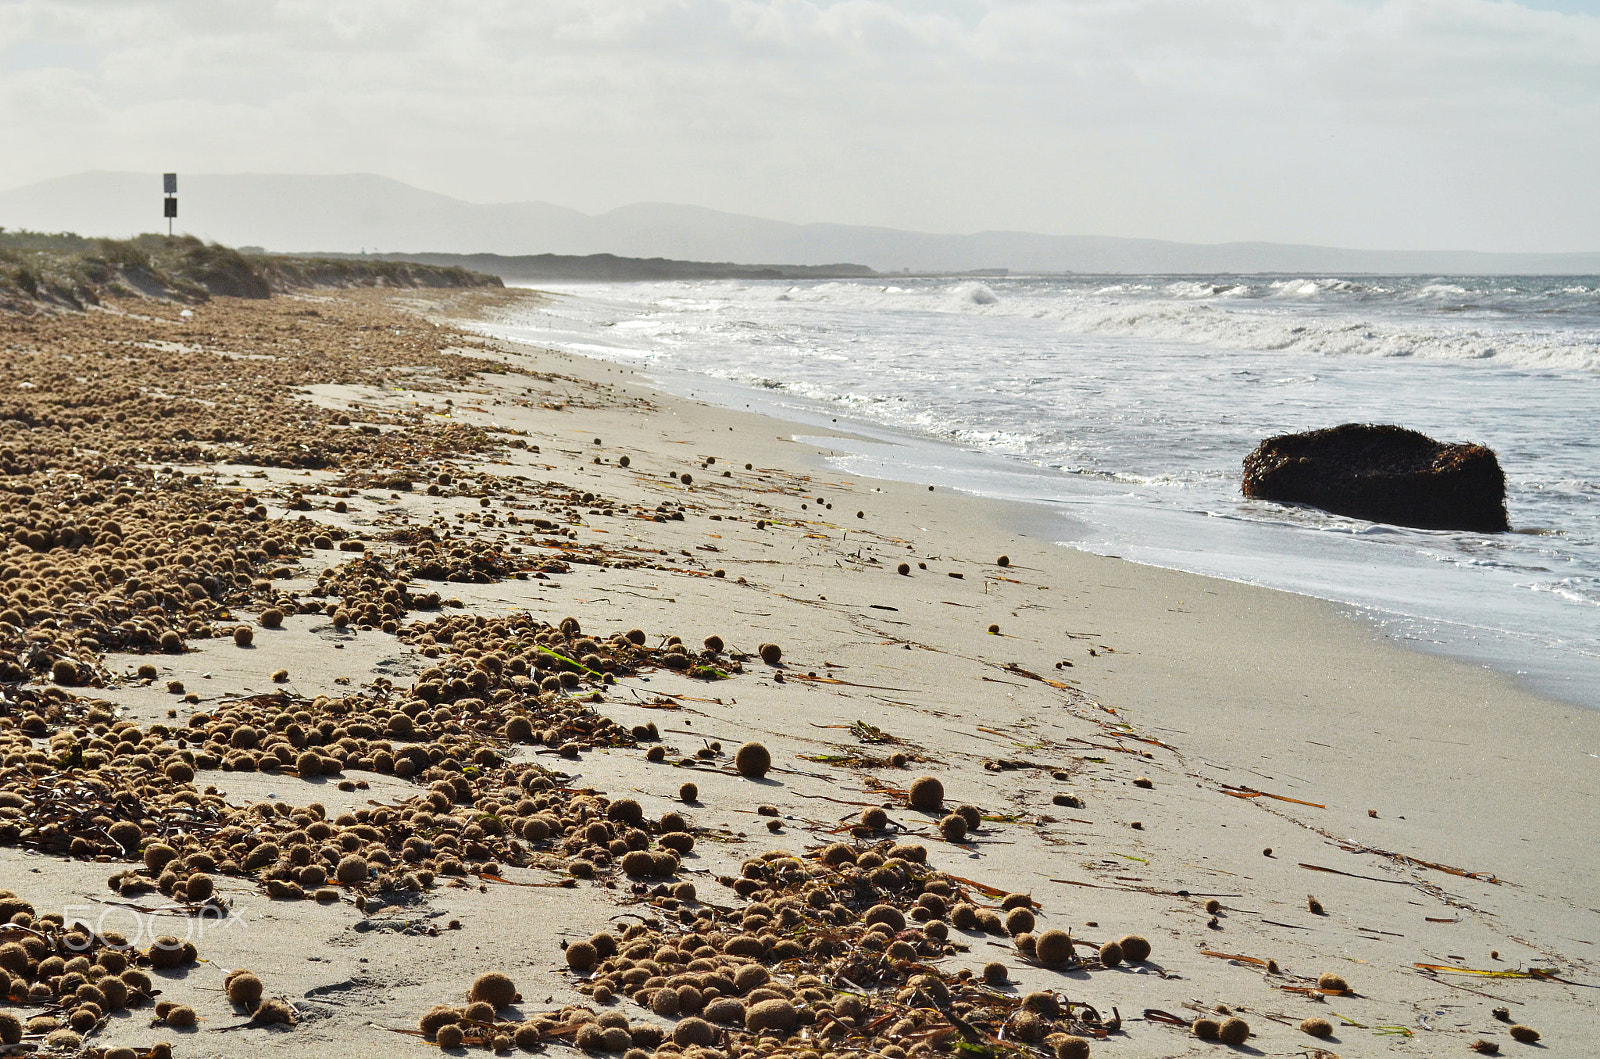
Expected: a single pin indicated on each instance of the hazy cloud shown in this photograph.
(1408, 123)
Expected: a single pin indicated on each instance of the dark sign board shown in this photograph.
(172, 207)
(169, 183)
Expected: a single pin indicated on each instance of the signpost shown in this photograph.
(169, 187)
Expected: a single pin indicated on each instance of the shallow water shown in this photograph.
(1128, 403)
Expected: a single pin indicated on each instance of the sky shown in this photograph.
(1379, 124)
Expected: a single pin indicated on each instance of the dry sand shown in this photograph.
(1213, 742)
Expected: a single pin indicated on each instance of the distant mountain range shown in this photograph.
(358, 212)
(609, 268)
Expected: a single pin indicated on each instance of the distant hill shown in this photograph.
(357, 212)
(533, 268)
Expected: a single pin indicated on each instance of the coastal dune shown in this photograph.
(1264, 789)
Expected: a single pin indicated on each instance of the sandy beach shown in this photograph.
(500, 605)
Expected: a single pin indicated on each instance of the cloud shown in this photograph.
(1400, 123)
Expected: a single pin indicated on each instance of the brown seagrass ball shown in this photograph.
(927, 794)
(1135, 949)
(1332, 983)
(494, 989)
(581, 956)
(1317, 1027)
(1068, 1046)
(1053, 947)
(1234, 1031)
(752, 760)
(244, 989)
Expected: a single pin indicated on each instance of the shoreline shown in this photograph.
(1567, 675)
(1198, 723)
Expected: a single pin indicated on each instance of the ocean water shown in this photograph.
(1126, 405)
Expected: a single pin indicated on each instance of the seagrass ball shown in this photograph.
(688, 793)
(1135, 949)
(770, 653)
(181, 1015)
(1332, 983)
(351, 869)
(752, 760)
(244, 989)
(995, 973)
(1070, 1047)
(166, 952)
(1110, 954)
(126, 834)
(243, 635)
(494, 989)
(776, 1014)
(1205, 1029)
(953, 828)
(581, 956)
(436, 1017)
(1053, 947)
(927, 794)
(1233, 1032)
(696, 1031)
(450, 1035)
(727, 1010)
(1042, 1001)
(1019, 921)
(1026, 1026)
(1317, 1027)
(271, 618)
(1524, 1034)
